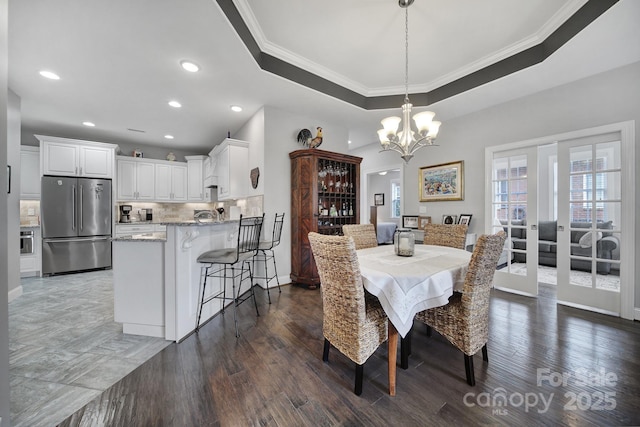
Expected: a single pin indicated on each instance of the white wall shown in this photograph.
(4, 245)
(610, 97)
(13, 199)
(253, 132)
(279, 139)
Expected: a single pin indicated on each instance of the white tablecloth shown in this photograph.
(408, 285)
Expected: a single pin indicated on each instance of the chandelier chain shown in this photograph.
(406, 55)
(406, 141)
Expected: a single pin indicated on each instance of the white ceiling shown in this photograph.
(119, 60)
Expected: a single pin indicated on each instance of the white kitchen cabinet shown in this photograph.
(233, 182)
(123, 230)
(138, 287)
(29, 173)
(68, 157)
(136, 179)
(196, 191)
(171, 182)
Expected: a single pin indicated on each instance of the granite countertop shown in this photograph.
(149, 237)
(199, 224)
(29, 225)
(138, 223)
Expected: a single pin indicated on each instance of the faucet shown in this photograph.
(202, 215)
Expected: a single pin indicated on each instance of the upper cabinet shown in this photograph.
(136, 179)
(29, 173)
(171, 182)
(68, 157)
(196, 191)
(151, 180)
(233, 182)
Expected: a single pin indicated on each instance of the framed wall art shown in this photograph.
(378, 199)
(442, 182)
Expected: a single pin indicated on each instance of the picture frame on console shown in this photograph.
(465, 219)
(410, 221)
(449, 219)
(422, 221)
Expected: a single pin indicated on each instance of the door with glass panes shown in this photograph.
(590, 210)
(514, 207)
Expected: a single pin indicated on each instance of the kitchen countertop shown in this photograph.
(189, 222)
(29, 225)
(199, 224)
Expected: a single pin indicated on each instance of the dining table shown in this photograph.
(407, 285)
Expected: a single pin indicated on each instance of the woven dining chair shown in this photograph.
(364, 235)
(464, 321)
(353, 320)
(454, 236)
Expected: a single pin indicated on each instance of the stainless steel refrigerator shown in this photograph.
(76, 224)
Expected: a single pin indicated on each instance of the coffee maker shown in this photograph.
(125, 213)
(149, 215)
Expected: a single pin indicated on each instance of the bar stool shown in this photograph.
(218, 262)
(265, 253)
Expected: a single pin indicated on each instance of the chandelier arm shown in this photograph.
(395, 147)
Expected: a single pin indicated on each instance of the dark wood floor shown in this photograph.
(274, 374)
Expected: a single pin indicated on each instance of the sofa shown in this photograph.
(607, 244)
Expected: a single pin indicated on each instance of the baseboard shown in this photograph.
(146, 330)
(284, 280)
(17, 292)
(636, 313)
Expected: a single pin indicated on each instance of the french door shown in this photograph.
(586, 181)
(514, 209)
(590, 209)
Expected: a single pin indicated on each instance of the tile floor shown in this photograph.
(65, 348)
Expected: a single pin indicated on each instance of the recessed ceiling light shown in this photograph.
(349, 141)
(89, 124)
(236, 108)
(50, 75)
(175, 104)
(190, 66)
(169, 136)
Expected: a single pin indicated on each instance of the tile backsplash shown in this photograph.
(167, 212)
(29, 212)
(162, 212)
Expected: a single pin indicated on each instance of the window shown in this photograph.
(395, 198)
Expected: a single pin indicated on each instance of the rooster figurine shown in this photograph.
(304, 138)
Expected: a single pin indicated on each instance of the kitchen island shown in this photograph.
(156, 278)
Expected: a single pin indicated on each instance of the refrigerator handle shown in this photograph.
(73, 217)
(80, 221)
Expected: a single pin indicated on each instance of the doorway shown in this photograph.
(378, 181)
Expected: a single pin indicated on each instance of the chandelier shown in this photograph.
(407, 142)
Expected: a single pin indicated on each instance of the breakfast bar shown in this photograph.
(156, 278)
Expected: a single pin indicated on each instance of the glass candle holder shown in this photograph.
(404, 242)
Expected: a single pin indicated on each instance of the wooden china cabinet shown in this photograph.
(325, 195)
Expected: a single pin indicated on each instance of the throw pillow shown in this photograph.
(586, 240)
